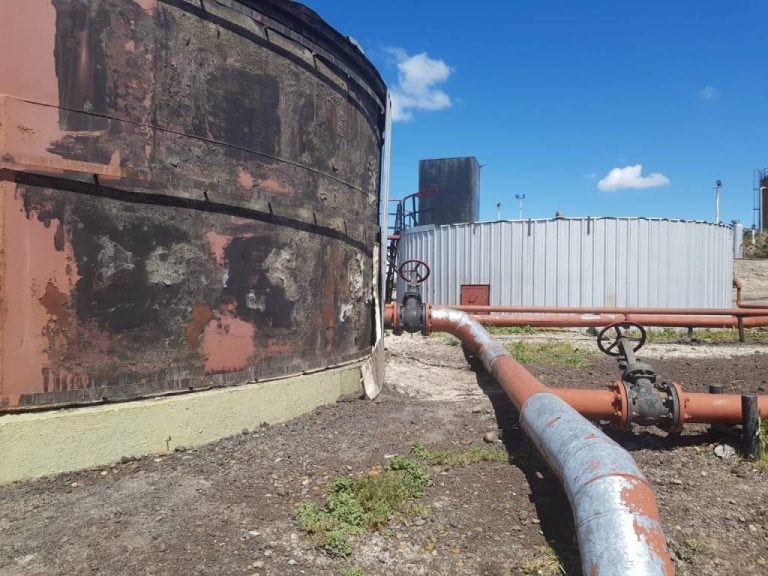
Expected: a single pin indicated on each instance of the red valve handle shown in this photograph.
(409, 268)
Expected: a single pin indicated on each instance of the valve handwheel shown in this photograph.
(613, 349)
(414, 271)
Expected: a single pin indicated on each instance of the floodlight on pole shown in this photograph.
(520, 198)
(498, 211)
(718, 185)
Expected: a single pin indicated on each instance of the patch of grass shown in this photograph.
(661, 335)
(356, 571)
(549, 353)
(513, 329)
(711, 335)
(355, 505)
(688, 549)
(545, 563)
(465, 457)
(449, 339)
(694, 546)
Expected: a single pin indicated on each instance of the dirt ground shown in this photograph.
(229, 508)
(754, 275)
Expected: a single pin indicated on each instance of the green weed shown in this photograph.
(549, 353)
(355, 505)
(501, 330)
(710, 335)
(449, 339)
(545, 563)
(465, 457)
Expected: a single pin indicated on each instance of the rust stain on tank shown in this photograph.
(274, 186)
(120, 277)
(227, 343)
(201, 315)
(54, 301)
(244, 178)
(31, 72)
(38, 274)
(218, 244)
(29, 75)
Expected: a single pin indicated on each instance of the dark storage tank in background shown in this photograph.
(189, 197)
(457, 199)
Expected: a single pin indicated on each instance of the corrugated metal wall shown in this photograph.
(578, 262)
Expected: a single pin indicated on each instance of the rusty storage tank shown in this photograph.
(189, 197)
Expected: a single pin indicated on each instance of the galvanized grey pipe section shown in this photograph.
(615, 511)
(607, 492)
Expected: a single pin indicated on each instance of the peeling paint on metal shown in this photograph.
(227, 343)
(170, 220)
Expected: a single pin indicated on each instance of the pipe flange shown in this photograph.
(394, 319)
(621, 406)
(672, 405)
(426, 325)
(678, 417)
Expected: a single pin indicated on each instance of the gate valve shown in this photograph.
(412, 314)
(622, 344)
(649, 403)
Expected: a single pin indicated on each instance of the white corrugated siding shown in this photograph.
(578, 262)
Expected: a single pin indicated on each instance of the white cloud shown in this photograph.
(630, 177)
(709, 93)
(417, 80)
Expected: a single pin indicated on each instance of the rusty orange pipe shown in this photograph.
(601, 320)
(484, 310)
(695, 407)
(609, 405)
(615, 512)
(716, 408)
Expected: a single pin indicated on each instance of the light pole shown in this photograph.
(498, 211)
(718, 185)
(520, 198)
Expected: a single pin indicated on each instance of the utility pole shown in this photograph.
(498, 211)
(520, 198)
(718, 185)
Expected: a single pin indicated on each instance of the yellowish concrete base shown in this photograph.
(45, 443)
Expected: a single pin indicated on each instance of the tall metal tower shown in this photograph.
(759, 191)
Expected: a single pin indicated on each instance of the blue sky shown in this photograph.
(551, 96)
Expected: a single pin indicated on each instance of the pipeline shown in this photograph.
(587, 320)
(615, 512)
(474, 309)
(613, 404)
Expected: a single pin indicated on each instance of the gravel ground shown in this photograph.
(229, 508)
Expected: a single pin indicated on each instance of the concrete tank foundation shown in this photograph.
(50, 442)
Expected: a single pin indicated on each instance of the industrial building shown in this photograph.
(627, 262)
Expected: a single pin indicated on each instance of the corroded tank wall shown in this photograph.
(188, 199)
